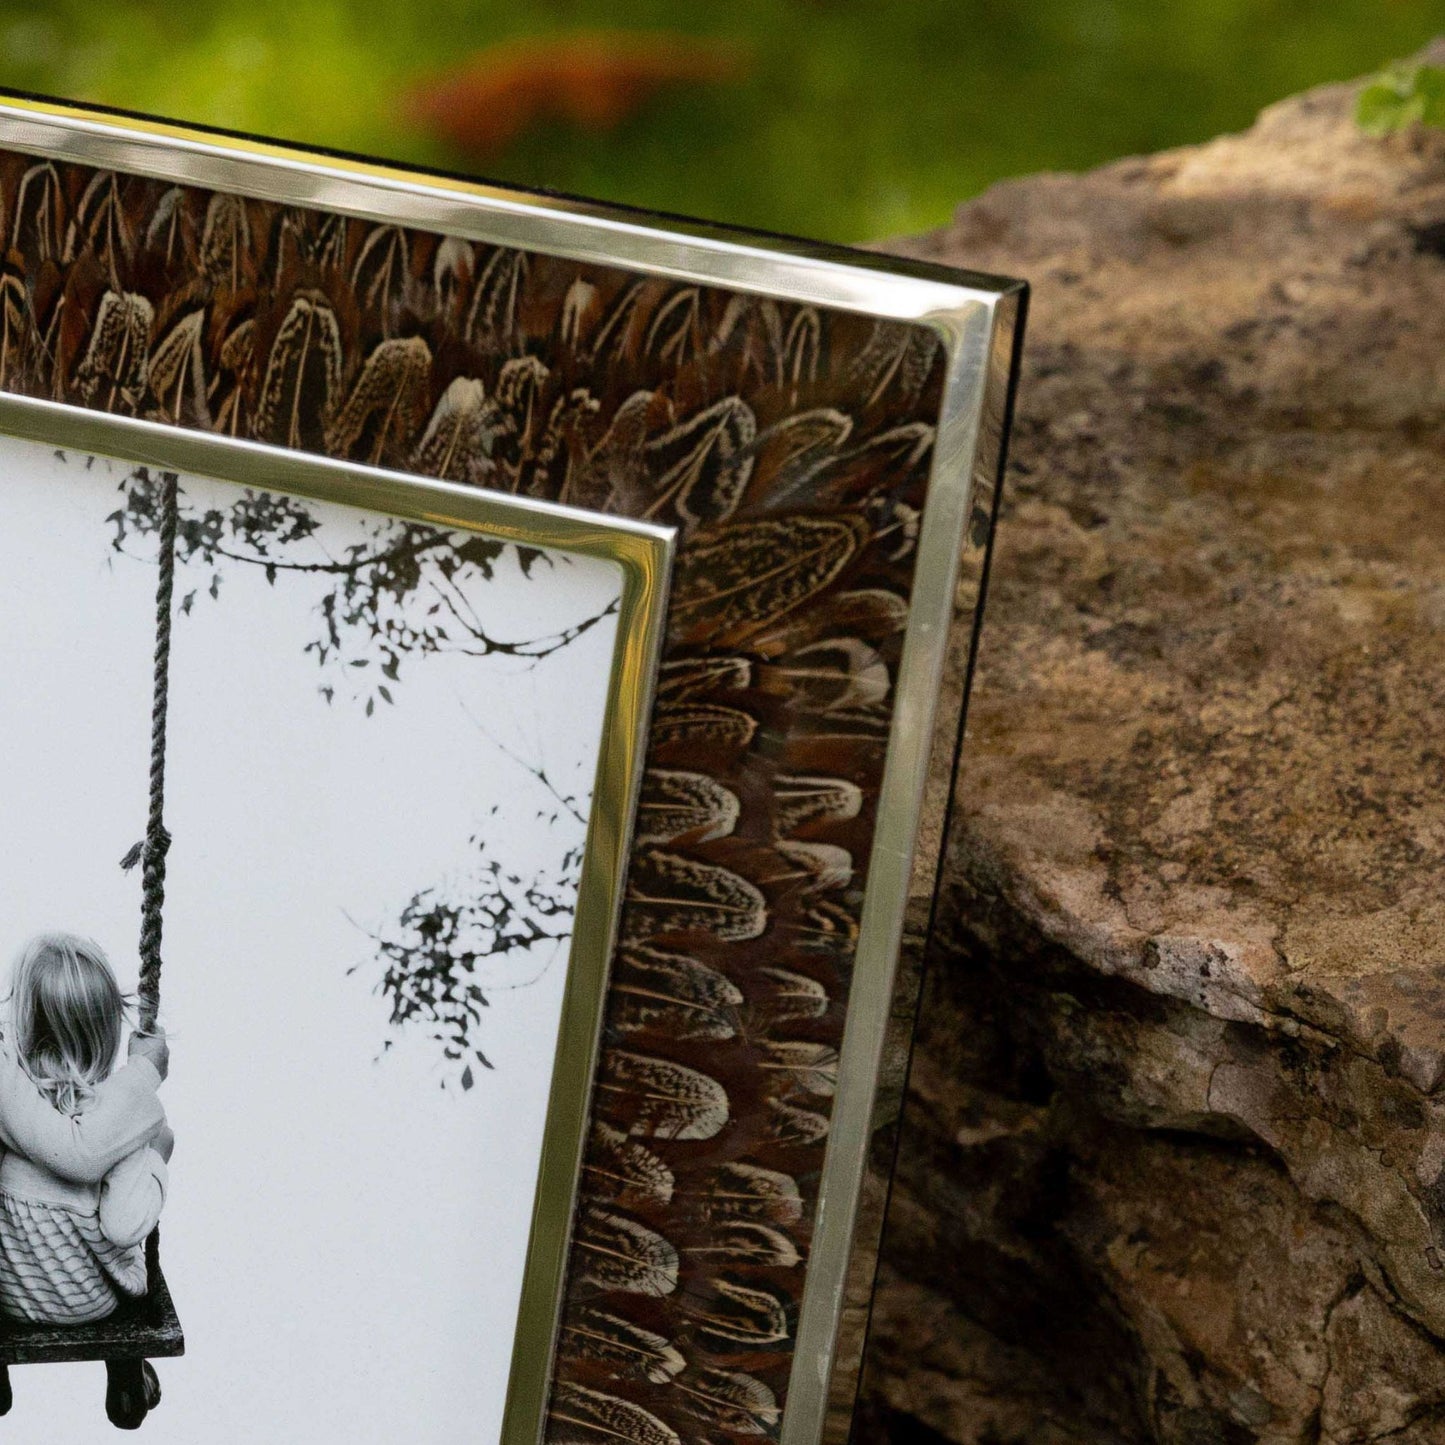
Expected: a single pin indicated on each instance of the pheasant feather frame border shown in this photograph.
(822, 431)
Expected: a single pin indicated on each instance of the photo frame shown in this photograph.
(812, 438)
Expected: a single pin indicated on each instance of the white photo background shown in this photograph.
(375, 769)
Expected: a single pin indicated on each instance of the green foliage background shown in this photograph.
(859, 119)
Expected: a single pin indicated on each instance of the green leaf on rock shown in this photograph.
(1400, 97)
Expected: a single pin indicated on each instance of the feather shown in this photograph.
(579, 1416)
(671, 894)
(734, 1403)
(787, 1124)
(457, 443)
(451, 272)
(623, 1172)
(802, 349)
(99, 225)
(737, 1190)
(386, 403)
(114, 371)
(677, 805)
(17, 330)
(804, 800)
(303, 375)
(703, 724)
(839, 675)
(702, 465)
(733, 1313)
(819, 866)
(778, 995)
(655, 1098)
(617, 1253)
(813, 1067)
(592, 1334)
(169, 231)
(178, 372)
(827, 927)
(791, 451)
(379, 277)
(236, 358)
(226, 239)
(38, 229)
(745, 1243)
(671, 994)
(327, 237)
(872, 613)
(895, 352)
(579, 309)
(496, 300)
(684, 679)
(628, 431)
(672, 334)
(741, 579)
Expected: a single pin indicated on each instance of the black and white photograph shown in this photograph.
(336, 768)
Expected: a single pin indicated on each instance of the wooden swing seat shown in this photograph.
(142, 1329)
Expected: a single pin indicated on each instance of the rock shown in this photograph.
(1173, 1166)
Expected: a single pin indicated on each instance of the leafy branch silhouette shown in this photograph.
(398, 595)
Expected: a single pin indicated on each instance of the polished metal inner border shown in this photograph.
(971, 314)
(643, 554)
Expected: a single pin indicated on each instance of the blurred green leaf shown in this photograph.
(1402, 96)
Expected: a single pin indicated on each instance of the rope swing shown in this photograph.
(151, 852)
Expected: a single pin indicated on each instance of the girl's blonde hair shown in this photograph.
(67, 1012)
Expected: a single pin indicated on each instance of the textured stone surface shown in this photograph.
(1174, 1165)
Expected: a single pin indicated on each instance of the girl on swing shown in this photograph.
(83, 1178)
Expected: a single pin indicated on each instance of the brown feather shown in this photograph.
(655, 1098)
(592, 1334)
(457, 443)
(702, 465)
(226, 239)
(178, 372)
(688, 678)
(737, 1190)
(735, 1403)
(702, 724)
(623, 1172)
(114, 371)
(788, 1124)
(386, 403)
(672, 995)
(744, 1243)
(842, 674)
(815, 867)
(671, 894)
(617, 1253)
(303, 375)
(778, 995)
(812, 1067)
(872, 613)
(676, 805)
(792, 451)
(744, 578)
(579, 1416)
(804, 800)
(730, 1312)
